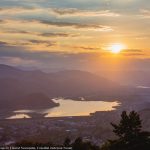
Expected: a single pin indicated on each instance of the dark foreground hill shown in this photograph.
(31, 101)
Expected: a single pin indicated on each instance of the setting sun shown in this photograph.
(116, 48)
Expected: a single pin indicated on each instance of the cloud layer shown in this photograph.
(40, 31)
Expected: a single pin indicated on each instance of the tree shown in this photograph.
(67, 142)
(129, 133)
(79, 144)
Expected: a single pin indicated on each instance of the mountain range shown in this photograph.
(24, 89)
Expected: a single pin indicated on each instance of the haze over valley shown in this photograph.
(33, 90)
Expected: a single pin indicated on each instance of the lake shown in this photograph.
(143, 87)
(69, 107)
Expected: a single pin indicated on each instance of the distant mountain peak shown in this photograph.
(4, 67)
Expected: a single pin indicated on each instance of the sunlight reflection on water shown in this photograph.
(19, 116)
(69, 107)
(79, 108)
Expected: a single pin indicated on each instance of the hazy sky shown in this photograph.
(74, 33)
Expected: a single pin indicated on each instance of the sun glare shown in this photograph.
(116, 48)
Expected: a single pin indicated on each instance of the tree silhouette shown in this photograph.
(129, 133)
(79, 144)
(129, 126)
(67, 142)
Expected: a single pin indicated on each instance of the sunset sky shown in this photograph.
(74, 33)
